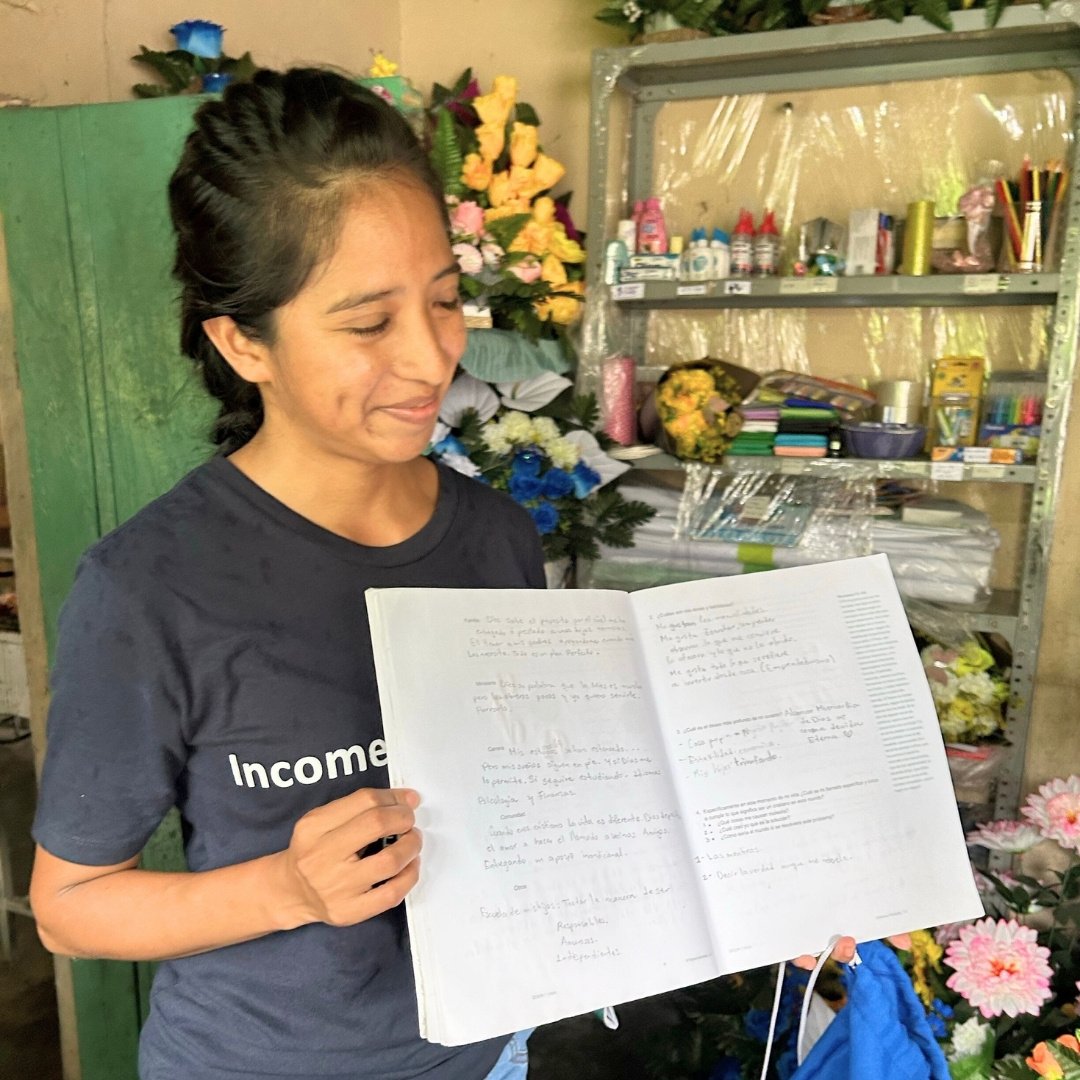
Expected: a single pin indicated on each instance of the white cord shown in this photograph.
(772, 1018)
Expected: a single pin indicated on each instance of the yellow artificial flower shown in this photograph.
(926, 955)
(523, 144)
(569, 251)
(381, 68)
(552, 271)
(506, 86)
(547, 172)
(492, 139)
(534, 238)
(507, 209)
(493, 109)
(476, 173)
(543, 210)
(499, 190)
(565, 306)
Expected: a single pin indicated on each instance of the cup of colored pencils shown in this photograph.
(1033, 208)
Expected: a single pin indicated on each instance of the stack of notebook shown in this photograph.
(804, 427)
(758, 431)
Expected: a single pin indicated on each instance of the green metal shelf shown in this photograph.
(914, 469)
(895, 290)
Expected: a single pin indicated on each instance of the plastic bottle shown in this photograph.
(652, 232)
(767, 247)
(720, 253)
(742, 246)
(699, 262)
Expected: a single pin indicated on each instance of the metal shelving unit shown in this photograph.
(859, 54)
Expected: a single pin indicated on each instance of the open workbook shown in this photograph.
(628, 793)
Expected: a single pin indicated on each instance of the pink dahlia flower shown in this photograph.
(1000, 968)
(1011, 836)
(1056, 811)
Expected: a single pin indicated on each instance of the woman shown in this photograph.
(214, 652)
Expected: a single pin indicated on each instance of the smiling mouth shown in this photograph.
(415, 410)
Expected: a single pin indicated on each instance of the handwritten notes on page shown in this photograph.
(556, 874)
(805, 750)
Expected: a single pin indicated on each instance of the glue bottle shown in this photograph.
(720, 254)
(698, 261)
(742, 246)
(767, 247)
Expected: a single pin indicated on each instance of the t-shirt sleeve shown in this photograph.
(115, 742)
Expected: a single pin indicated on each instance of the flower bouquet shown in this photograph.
(543, 446)
(196, 65)
(520, 256)
(968, 690)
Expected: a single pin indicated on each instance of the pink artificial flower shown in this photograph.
(1000, 967)
(948, 932)
(528, 270)
(467, 219)
(469, 258)
(493, 255)
(1013, 837)
(1056, 811)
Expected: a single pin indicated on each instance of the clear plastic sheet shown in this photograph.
(775, 520)
(825, 153)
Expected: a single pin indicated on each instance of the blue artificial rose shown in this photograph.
(524, 488)
(941, 1008)
(786, 1063)
(545, 515)
(586, 480)
(199, 37)
(557, 483)
(937, 1025)
(727, 1068)
(213, 82)
(451, 444)
(527, 462)
(756, 1022)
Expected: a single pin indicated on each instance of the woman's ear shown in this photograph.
(250, 359)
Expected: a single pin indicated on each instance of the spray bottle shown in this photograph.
(767, 247)
(742, 246)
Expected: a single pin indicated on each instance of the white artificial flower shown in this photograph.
(468, 393)
(532, 394)
(986, 723)
(492, 255)
(460, 463)
(545, 431)
(469, 259)
(439, 432)
(563, 453)
(952, 726)
(606, 467)
(495, 437)
(968, 1039)
(944, 693)
(517, 428)
(631, 11)
(978, 686)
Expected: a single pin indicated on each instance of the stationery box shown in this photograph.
(977, 455)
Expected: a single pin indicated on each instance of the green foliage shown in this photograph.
(183, 71)
(505, 230)
(446, 156)
(526, 114)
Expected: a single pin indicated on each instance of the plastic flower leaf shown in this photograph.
(607, 468)
(199, 37)
(1055, 810)
(532, 394)
(1014, 837)
(999, 967)
(461, 463)
(468, 393)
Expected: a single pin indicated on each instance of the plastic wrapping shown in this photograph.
(891, 144)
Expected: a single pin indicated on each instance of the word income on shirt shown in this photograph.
(309, 770)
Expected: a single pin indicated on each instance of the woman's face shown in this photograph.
(363, 355)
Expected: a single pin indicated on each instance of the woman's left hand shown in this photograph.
(844, 951)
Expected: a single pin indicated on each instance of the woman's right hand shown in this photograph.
(326, 880)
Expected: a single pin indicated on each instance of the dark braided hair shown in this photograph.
(256, 202)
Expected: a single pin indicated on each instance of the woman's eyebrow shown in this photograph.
(359, 299)
(453, 268)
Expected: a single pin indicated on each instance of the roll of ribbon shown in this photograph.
(918, 238)
(618, 383)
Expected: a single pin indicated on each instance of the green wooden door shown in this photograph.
(114, 414)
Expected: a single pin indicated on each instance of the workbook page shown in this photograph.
(807, 757)
(555, 875)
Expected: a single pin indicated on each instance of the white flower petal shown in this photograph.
(440, 432)
(468, 393)
(532, 394)
(606, 467)
(460, 463)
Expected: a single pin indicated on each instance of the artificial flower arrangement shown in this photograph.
(969, 690)
(695, 404)
(196, 65)
(520, 255)
(543, 446)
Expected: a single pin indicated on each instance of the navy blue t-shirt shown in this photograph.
(214, 654)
